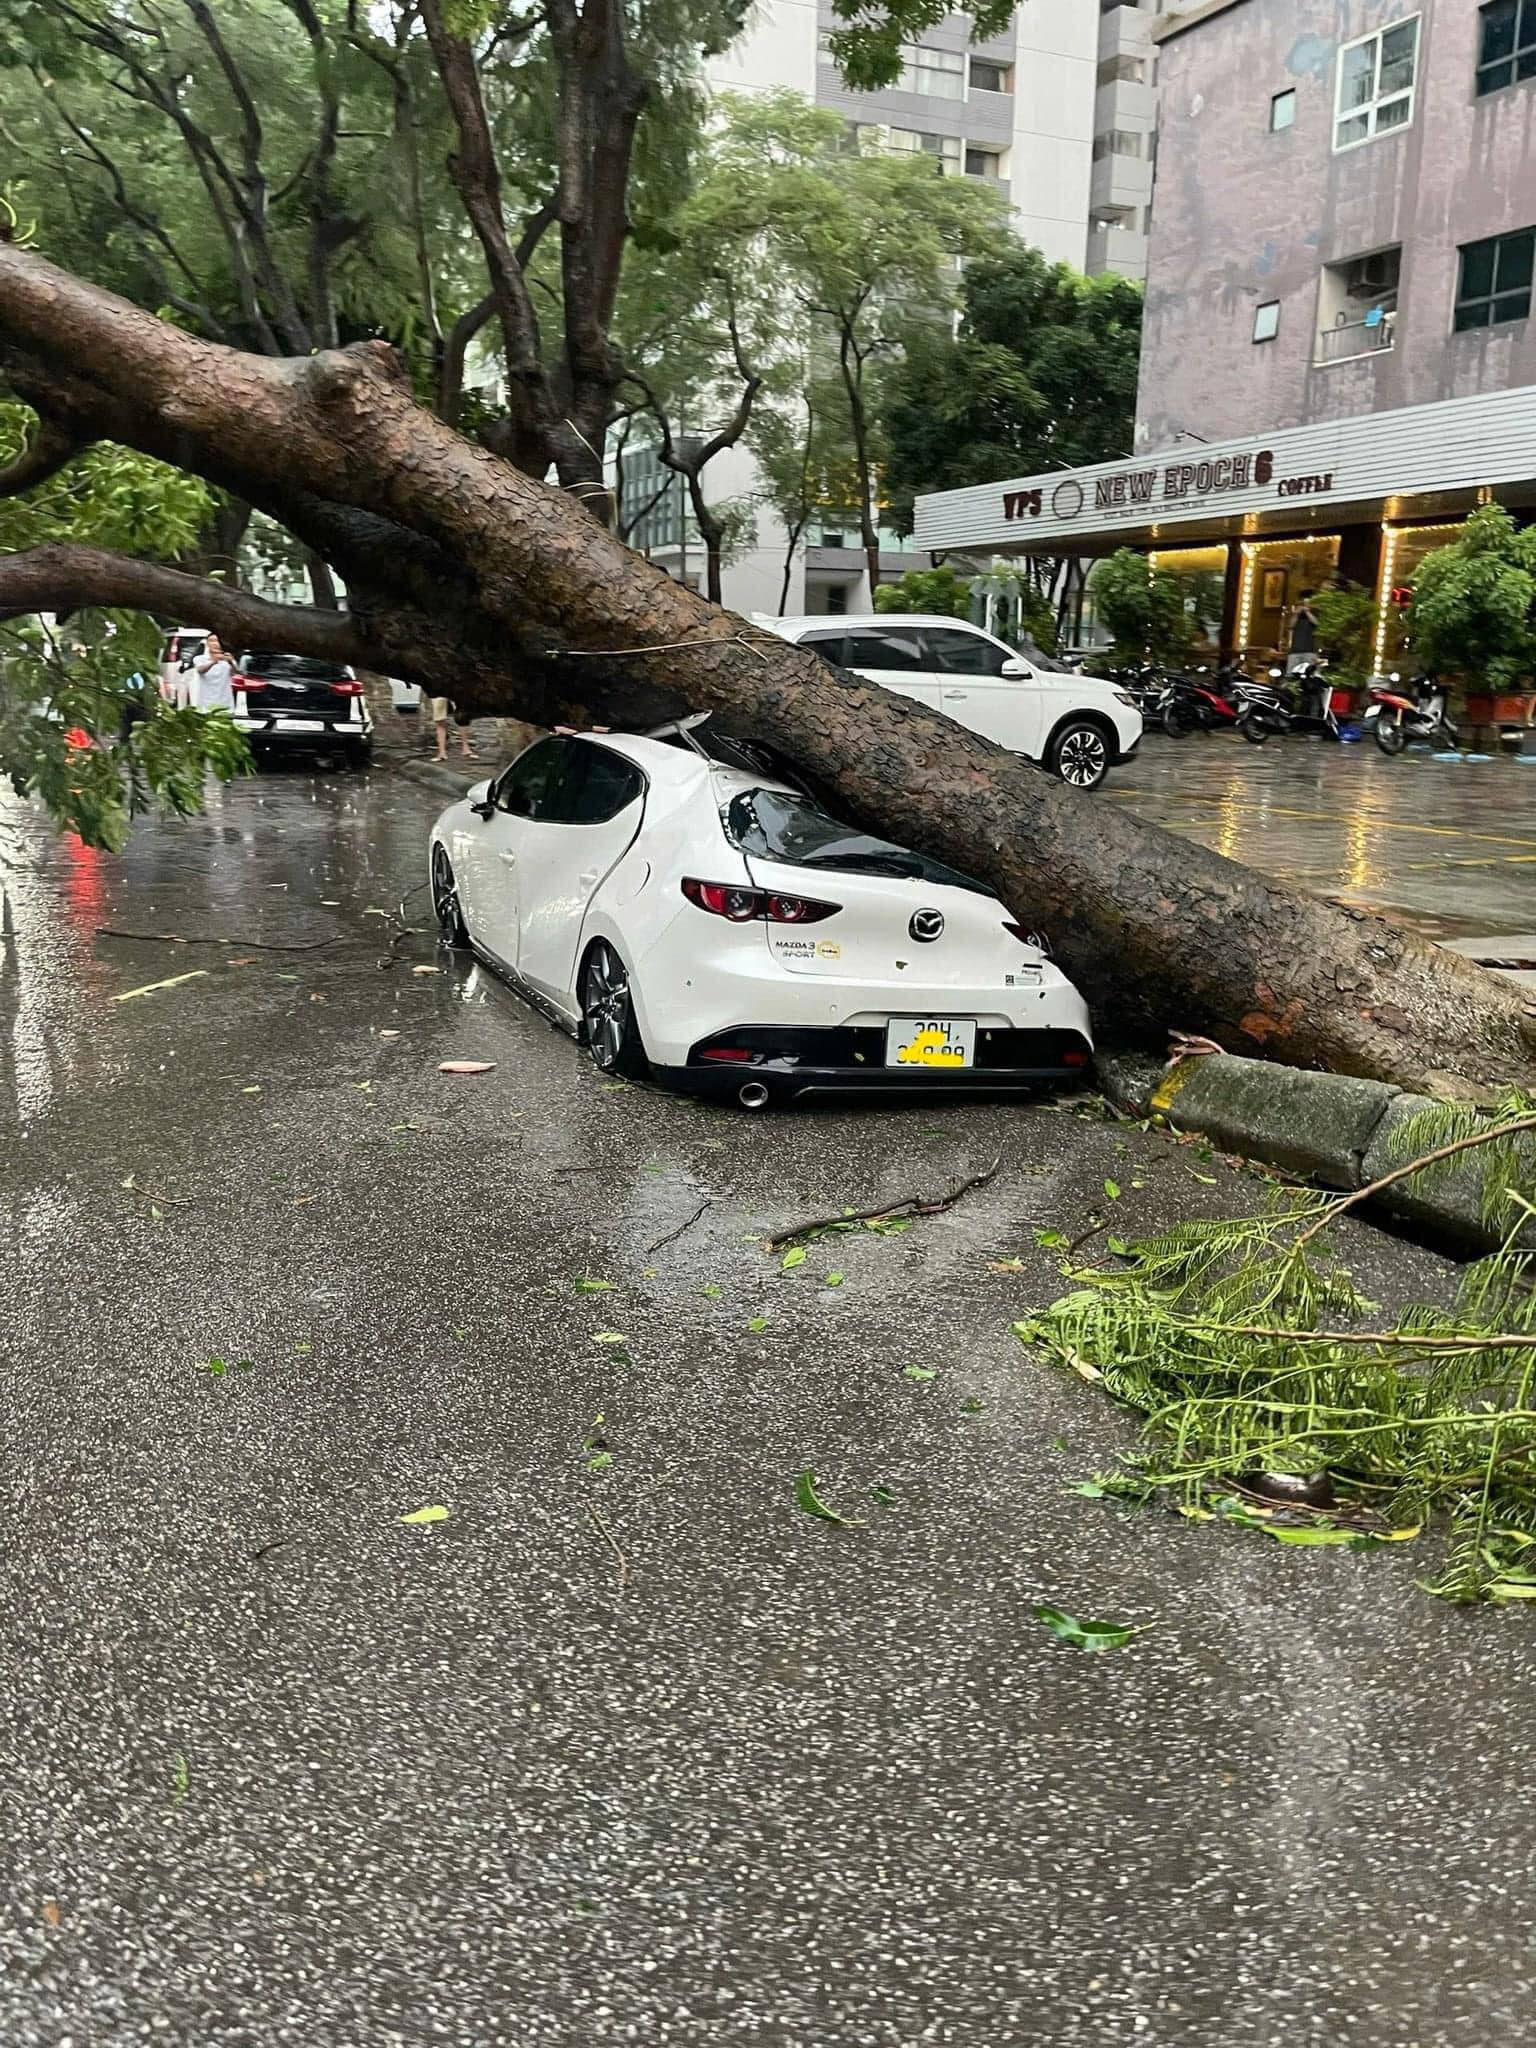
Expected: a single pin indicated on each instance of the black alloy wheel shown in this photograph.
(608, 1026)
(1080, 754)
(445, 899)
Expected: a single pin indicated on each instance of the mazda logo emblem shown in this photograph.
(926, 925)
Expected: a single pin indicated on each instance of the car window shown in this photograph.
(525, 787)
(889, 650)
(594, 785)
(775, 824)
(963, 654)
(828, 645)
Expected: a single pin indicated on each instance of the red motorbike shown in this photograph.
(1398, 715)
(1202, 702)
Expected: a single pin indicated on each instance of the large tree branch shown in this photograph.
(476, 179)
(65, 578)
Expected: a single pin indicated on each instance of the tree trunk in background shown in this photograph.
(480, 582)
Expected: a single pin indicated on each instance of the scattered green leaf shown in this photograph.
(1112, 1190)
(599, 1461)
(585, 1285)
(808, 1499)
(1206, 1179)
(917, 1372)
(419, 1516)
(883, 1495)
(1050, 1239)
(1088, 1635)
(971, 1406)
(795, 1256)
(833, 1280)
(609, 1337)
(758, 1323)
(711, 1292)
(181, 1779)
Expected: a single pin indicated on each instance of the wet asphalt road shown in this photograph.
(643, 1754)
(1448, 846)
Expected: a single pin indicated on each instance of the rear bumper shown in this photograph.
(299, 734)
(794, 1062)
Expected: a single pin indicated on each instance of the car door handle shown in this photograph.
(589, 879)
(508, 860)
(957, 695)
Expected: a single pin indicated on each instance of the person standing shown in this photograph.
(442, 711)
(1303, 641)
(214, 688)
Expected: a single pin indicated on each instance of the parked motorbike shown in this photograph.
(1398, 715)
(1146, 684)
(1301, 702)
(1202, 701)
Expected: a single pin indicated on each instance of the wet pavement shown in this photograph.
(1449, 846)
(639, 1753)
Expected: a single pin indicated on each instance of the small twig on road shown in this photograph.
(110, 931)
(910, 1205)
(606, 1533)
(705, 1205)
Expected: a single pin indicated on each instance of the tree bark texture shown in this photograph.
(469, 576)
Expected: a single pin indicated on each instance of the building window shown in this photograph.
(1130, 70)
(1282, 111)
(1116, 142)
(1495, 280)
(939, 72)
(1357, 306)
(1266, 320)
(1508, 47)
(1375, 88)
(987, 75)
(983, 163)
(913, 142)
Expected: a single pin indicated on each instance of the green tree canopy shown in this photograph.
(1040, 375)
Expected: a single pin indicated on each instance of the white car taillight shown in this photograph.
(742, 906)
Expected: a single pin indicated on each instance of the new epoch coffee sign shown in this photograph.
(1205, 477)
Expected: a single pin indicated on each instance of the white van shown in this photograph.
(1077, 726)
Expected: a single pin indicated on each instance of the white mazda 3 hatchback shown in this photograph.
(694, 918)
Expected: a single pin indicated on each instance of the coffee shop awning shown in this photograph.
(1417, 462)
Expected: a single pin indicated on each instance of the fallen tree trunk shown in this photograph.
(467, 575)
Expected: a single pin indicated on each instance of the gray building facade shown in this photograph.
(1344, 214)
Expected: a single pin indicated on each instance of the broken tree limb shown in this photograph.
(465, 574)
(909, 1205)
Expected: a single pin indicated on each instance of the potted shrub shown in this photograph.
(1474, 615)
(1346, 626)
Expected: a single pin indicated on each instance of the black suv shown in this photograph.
(295, 704)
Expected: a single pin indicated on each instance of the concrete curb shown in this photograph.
(1328, 1128)
(444, 776)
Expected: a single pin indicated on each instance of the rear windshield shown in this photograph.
(777, 825)
(301, 667)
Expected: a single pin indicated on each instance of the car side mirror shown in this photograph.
(1016, 670)
(480, 799)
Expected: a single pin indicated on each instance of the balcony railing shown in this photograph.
(1351, 338)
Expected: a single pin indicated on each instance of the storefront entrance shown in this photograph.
(1276, 575)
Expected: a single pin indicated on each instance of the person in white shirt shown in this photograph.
(213, 690)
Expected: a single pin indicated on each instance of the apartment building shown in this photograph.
(1338, 356)
(1124, 139)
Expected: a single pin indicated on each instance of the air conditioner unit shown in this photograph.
(1369, 276)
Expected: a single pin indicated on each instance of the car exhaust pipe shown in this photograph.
(752, 1095)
